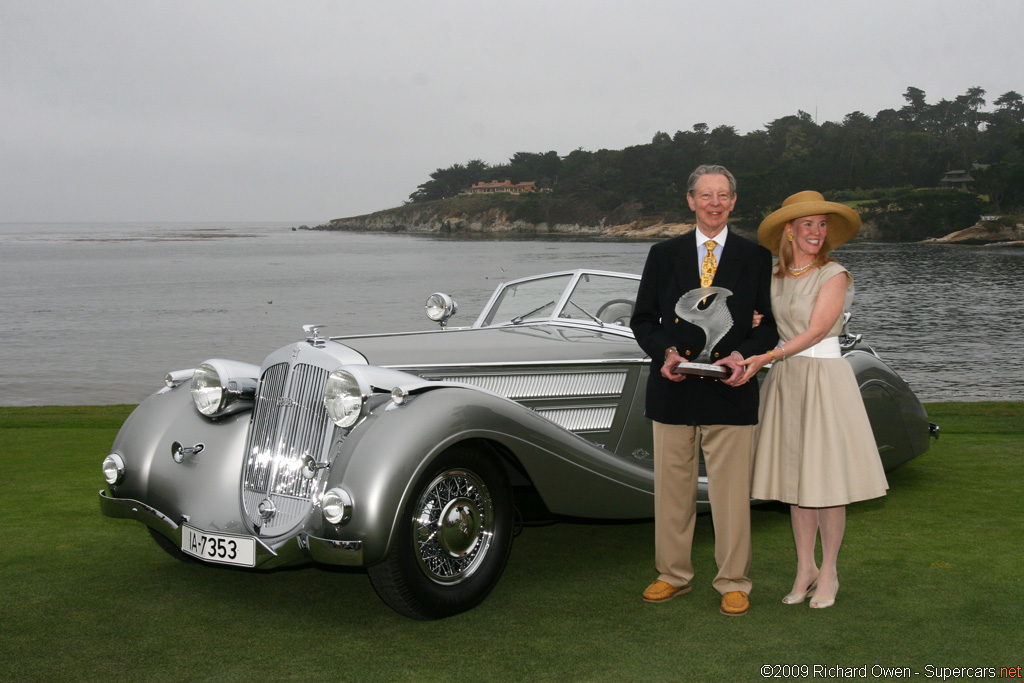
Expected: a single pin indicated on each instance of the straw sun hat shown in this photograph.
(843, 222)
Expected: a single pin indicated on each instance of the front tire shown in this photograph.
(454, 538)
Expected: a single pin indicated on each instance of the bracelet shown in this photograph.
(771, 354)
(669, 350)
(783, 347)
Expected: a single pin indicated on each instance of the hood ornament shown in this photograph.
(314, 339)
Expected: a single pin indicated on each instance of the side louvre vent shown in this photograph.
(552, 385)
(597, 419)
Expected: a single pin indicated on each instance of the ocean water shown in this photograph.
(97, 313)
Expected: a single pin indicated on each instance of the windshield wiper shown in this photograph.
(588, 314)
(519, 318)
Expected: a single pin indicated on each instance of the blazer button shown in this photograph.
(677, 321)
(717, 354)
(687, 352)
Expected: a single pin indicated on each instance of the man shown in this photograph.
(693, 412)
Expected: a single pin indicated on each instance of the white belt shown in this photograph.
(826, 348)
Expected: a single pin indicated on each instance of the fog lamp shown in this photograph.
(113, 468)
(337, 506)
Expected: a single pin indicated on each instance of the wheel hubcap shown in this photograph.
(453, 527)
(459, 527)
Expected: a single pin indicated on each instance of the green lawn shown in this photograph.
(931, 576)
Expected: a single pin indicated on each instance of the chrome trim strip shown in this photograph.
(525, 363)
(617, 330)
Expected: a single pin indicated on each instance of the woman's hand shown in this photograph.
(758, 317)
(732, 362)
(751, 366)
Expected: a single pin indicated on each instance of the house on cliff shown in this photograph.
(960, 179)
(507, 186)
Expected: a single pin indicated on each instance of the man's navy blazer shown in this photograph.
(672, 270)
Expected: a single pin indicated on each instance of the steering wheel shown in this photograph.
(616, 312)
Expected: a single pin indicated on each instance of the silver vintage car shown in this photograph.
(416, 455)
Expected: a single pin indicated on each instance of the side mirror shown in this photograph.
(440, 308)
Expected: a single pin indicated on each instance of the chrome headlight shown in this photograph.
(344, 398)
(113, 468)
(440, 307)
(221, 387)
(337, 506)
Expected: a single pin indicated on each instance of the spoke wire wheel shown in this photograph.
(453, 537)
(454, 526)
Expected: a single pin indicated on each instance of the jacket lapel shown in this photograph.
(730, 266)
(686, 272)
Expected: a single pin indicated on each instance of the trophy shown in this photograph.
(715, 319)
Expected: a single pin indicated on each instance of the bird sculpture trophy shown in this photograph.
(705, 307)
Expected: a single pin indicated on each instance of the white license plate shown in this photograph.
(224, 548)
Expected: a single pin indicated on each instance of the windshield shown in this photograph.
(530, 299)
(596, 298)
(606, 299)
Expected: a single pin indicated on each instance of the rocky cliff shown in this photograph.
(507, 215)
(1005, 231)
(428, 217)
(530, 216)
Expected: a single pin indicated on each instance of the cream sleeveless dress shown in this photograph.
(815, 447)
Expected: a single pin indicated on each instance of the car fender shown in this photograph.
(202, 489)
(379, 462)
(898, 420)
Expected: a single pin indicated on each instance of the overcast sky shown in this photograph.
(299, 110)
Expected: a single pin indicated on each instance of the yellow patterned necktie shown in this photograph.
(710, 265)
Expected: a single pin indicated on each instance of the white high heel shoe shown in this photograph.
(795, 598)
(822, 603)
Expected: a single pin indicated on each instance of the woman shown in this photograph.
(815, 448)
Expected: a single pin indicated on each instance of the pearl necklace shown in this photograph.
(797, 271)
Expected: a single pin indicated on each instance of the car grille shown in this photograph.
(289, 422)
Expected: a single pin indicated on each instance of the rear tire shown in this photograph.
(453, 540)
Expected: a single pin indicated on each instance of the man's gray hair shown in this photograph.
(709, 169)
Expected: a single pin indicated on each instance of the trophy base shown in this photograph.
(703, 370)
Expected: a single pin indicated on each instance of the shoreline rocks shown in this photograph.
(495, 221)
(1001, 233)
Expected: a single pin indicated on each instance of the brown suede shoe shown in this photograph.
(661, 591)
(735, 604)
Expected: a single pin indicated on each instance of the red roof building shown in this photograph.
(507, 186)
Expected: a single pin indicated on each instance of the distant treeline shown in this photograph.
(887, 158)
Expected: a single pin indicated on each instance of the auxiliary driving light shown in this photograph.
(337, 506)
(113, 468)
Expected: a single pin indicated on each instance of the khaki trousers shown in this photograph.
(727, 454)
